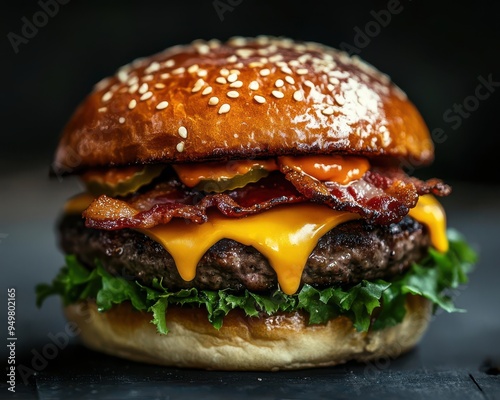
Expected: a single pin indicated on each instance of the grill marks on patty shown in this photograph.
(349, 253)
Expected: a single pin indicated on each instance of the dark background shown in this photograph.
(435, 51)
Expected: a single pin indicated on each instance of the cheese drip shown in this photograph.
(285, 235)
(430, 213)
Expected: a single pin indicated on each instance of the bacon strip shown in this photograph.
(382, 196)
(171, 199)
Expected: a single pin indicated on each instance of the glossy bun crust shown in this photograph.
(245, 98)
(273, 343)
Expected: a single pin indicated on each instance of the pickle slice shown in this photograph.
(120, 181)
(237, 181)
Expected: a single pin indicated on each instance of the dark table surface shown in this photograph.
(459, 356)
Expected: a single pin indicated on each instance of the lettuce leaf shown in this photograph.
(433, 278)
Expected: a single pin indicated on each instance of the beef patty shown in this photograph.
(347, 254)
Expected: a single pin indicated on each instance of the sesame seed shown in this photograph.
(330, 87)
(264, 72)
(279, 83)
(214, 43)
(232, 59)
(102, 109)
(203, 49)
(298, 95)
(232, 77)
(182, 131)
(124, 89)
(178, 71)
(165, 75)
(221, 80)
(213, 101)
(235, 71)
(103, 83)
(262, 40)
(339, 99)
(302, 71)
(237, 41)
(180, 147)
(289, 79)
(259, 99)
(146, 96)
(303, 58)
(144, 88)
(255, 64)
(107, 96)
(133, 80)
(244, 53)
(207, 90)
(294, 63)
(193, 68)
(147, 78)
(278, 94)
(121, 120)
(233, 94)
(224, 108)
(202, 73)
(224, 72)
(254, 85)
(198, 85)
(153, 67)
(162, 105)
(133, 88)
(122, 75)
(159, 86)
(132, 104)
(309, 84)
(328, 111)
(236, 84)
(169, 63)
(276, 58)
(286, 70)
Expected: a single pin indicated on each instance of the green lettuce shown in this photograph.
(433, 278)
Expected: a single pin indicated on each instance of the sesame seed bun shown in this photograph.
(245, 98)
(283, 341)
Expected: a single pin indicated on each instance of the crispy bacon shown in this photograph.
(171, 199)
(382, 196)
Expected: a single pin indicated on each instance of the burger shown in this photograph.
(246, 207)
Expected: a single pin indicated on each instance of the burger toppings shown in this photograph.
(329, 168)
(261, 160)
(120, 181)
(380, 195)
(221, 176)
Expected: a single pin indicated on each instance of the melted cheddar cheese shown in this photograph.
(286, 235)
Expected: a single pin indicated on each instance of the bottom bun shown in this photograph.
(279, 342)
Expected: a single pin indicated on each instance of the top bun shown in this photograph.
(248, 97)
